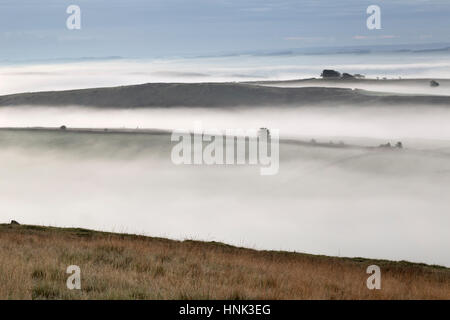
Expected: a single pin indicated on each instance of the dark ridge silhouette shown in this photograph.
(213, 95)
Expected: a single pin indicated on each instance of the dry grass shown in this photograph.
(33, 261)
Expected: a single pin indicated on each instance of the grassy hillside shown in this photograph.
(33, 261)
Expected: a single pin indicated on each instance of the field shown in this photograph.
(33, 262)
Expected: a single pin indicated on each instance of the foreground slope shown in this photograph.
(33, 261)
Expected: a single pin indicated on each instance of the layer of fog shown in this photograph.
(48, 77)
(380, 123)
(421, 87)
(347, 202)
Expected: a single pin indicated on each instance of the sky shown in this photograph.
(33, 30)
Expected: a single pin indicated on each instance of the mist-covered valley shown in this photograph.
(337, 191)
(224, 150)
(339, 195)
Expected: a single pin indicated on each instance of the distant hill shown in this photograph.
(213, 95)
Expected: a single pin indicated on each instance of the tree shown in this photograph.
(347, 76)
(434, 83)
(330, 74)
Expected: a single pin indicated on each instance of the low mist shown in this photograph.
(380, 122)
(418, 87)
(346, 197)
(50, 76)
(376, 203)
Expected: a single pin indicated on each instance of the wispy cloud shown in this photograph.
(361, 37)
(302, 38)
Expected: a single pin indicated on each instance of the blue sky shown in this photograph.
(32, 29)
